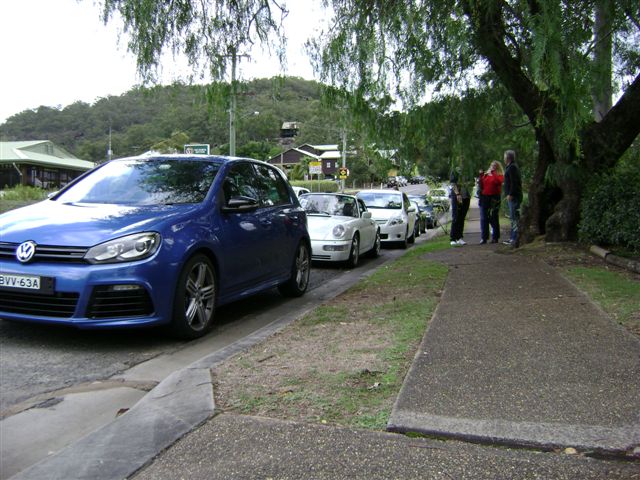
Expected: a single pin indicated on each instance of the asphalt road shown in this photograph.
(35, 359)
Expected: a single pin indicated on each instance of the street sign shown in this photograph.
(343, 173)
(315, 168)
(197, 149)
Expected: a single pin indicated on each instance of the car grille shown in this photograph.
(46, 253)
(61, 305)
(108, 303)
(382, 221)
(320, 257)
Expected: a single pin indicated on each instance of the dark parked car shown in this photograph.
(154, 240)
(426, 210)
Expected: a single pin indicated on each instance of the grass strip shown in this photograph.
(343, 363)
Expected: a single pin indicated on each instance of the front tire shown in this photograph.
(194, 303)
(300, 272)
(354, 253)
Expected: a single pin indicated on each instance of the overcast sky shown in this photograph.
(56, 52)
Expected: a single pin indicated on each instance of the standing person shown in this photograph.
(512, 189)
(460, 199)
(490, 183)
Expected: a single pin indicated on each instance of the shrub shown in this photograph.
(23, 193)
(611, 209)
(325, 186)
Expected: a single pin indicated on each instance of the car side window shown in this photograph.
(240, 181)
(362, 205)
(407, 203)
(271, 186)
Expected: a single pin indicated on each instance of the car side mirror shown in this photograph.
(411, 209)
(240, 204)
(366, 214)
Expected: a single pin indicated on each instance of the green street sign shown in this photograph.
(197, 149)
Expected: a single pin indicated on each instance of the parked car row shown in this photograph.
(164, 240)
(397, 181)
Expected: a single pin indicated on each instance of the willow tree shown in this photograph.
(547, 54)
(213, 35)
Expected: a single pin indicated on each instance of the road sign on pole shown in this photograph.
(197, 149)
(315, 168)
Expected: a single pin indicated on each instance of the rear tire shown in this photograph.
(405, 242)
(377, 245)
(412, 238)
(300, 271)
(195, 297)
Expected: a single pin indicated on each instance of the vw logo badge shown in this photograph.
(26, 251)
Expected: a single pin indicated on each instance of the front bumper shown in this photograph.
(93, 296)
(330, 250)
(393, 233)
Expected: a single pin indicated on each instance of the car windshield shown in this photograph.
(420, 200)
(382, 200)
(339, 205)
(155, 181)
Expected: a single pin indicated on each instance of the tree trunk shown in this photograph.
(542, 197)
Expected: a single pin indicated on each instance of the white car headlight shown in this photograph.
(338, 231)
(396, 221)
(125, 249)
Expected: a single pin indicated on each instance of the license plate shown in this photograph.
(29, 282)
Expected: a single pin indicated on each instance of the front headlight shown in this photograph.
(396, 221)
(125, 249)
(338, 231)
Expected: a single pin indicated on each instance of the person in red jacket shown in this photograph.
(490, 183)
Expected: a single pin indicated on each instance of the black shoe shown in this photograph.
(494, 240)
(482, 242)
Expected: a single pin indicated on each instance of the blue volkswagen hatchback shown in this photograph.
(154, 240)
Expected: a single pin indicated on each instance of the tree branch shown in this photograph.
(606, 141)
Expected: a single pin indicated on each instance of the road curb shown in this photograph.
(173, 408)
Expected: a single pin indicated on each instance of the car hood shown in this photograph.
(54, 223)
(384, 213)
(321, 227)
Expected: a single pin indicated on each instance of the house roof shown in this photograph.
(331, 155)
(325, 148)
(43, 153)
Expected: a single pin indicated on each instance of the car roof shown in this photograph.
(188, 156)
(335, 194)
(380, 190)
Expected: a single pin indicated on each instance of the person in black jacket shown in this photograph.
(460, 201)
(512, 189)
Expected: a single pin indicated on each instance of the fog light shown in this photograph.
(124, 288)
(334, 248)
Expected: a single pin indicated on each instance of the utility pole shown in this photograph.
(233, 102)
(109, 151)
(344, 155)
(232, 107)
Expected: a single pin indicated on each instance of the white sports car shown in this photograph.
(341, 228)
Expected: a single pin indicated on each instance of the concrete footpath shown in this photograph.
(518, 376)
